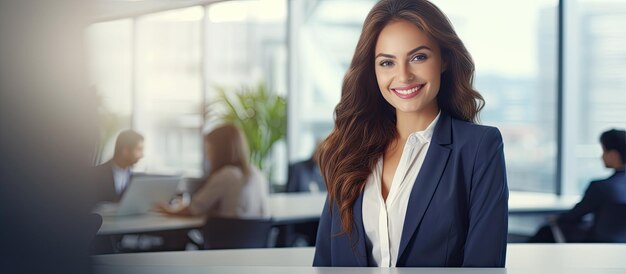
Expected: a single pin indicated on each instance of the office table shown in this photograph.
(527, 211)
(291, 208)
(151, 222)
(540, 203)
(286, 208)
(521, 258)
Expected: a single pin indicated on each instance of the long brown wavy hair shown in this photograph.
(228, 147)
(365, 123)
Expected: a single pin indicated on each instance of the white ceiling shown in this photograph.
(114, 9)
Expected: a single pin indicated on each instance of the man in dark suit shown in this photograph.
(113, 176)
(305, 177)
(605, 199)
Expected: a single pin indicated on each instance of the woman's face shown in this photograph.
(408, 67)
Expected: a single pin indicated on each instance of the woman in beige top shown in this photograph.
(234, 188)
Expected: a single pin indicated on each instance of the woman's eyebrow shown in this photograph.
(409, 53)
(418, 49)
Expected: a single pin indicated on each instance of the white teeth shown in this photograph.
(408, 91)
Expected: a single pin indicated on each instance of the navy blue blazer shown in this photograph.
(104, 183)
(457, 213)
(606, 200)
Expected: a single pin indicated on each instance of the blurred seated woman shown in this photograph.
(234, 188)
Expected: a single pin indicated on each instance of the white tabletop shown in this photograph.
(299, 207)
(344, 270)
(521, 258)
(296, 207)
(150, 222)
(285, 208)
(533, 202)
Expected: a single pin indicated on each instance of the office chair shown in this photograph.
(98, 244)
(609, 226)
(303, 176)
(230, 233)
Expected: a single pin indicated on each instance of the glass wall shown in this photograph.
(110, 52)
(516, 68)
(147, 73)
(168, 90)
(246, 47)
(158, 73)
(323, 35)
(595, 86)
(246, 44)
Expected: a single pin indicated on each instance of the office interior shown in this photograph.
(551, 73)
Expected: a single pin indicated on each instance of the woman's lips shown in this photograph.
(408, 92)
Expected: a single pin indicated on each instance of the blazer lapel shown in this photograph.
(358, 234)
(427, 179)
(109, 184)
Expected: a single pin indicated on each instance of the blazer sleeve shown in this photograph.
(588, 204)
(322, 243)
(485, 245)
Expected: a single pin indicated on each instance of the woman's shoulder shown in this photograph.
(256, 174)
(229, 171)
(473, 132)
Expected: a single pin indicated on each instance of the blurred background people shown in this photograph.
(305, 176)
(604, 199)
(233, 188)
(113, 176)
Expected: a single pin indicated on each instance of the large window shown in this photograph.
(516, 68)
(168, 89)
(110, 52)
(147, 73)
(323, 35)
(157, 72)
(246, 47)
(595, 86)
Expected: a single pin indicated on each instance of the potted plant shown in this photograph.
(260, 114)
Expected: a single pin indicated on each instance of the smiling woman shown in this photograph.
(411, 179)
(408, 66)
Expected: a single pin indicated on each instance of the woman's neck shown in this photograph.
(409, 122)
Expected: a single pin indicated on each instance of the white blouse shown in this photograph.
(383, 220)
(121, 177)
(228, 193)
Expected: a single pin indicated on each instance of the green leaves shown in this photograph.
(261, 115)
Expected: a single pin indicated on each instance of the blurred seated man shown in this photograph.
(113, 176)
(605, 199)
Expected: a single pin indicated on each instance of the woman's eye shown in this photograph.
(386, 63)
(419, 57)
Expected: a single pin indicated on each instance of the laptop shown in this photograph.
(142, 193)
